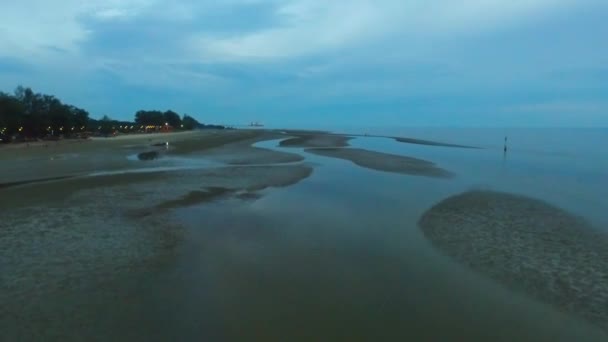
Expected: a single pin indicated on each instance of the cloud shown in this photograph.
(560, 107)
(487, 57)
(28, 28)
(318, 26)
(301, 27)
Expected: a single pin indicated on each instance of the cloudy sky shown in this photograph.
(317, 62)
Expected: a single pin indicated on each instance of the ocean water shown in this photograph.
(340, 255)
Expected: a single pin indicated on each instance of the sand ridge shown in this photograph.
(528, 245)
(384, 161)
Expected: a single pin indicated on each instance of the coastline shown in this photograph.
(245, 211)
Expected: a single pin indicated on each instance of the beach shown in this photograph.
(299, 235)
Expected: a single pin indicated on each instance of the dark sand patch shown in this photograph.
(54, 192)
(190, 199)
(255, 155)
(243, 153)
(314, 140)
(195, 197)
(220, 183)
(212, 140)
(528, 245)
(144, 156)
(326, 139)
(248, 178)
(27, 182)
(430, 143)
(384, 161)
(301, 132)
(249, 196)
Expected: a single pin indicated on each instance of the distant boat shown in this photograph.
(256, 124)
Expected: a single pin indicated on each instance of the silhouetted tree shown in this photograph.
(35, 115)
(29, 114)
(172, 118)
(190, 122)
(11, 114)
(153, 117)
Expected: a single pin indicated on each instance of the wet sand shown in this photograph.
(301, 139)
(240, 182)
(64, 242)
(46, 148)
(430, 143)
(71, 158)
(529, 246)
(67, 236)
(243, 153)
(384, 161)
(328, 139)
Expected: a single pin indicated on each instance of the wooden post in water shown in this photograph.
(506, 144)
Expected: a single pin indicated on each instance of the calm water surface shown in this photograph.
(339, 256)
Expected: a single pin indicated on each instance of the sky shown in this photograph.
(317, 63)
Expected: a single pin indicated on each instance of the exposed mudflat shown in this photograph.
(429, 143)
(529, 246)
(73, 225)
(316, 140)
(384, 161)
(244, 153)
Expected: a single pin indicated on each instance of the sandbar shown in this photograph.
(528, 245)
(430, 143)
(384, 162)
(312, 140)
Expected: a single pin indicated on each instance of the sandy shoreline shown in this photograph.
(528, 245)
(76, 233)
(119, 138)
(144, 136)
(384, 161)
(69, 159)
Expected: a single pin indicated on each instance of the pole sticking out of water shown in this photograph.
(506, 138)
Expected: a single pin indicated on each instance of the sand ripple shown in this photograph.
(529, 246)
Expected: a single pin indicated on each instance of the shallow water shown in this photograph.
(339, 256)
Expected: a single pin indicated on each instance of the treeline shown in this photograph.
(168, 118)
(26, 114)
(35, 115)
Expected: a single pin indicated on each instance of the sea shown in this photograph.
(340, 256)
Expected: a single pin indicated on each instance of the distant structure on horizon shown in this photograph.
(256, 124)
